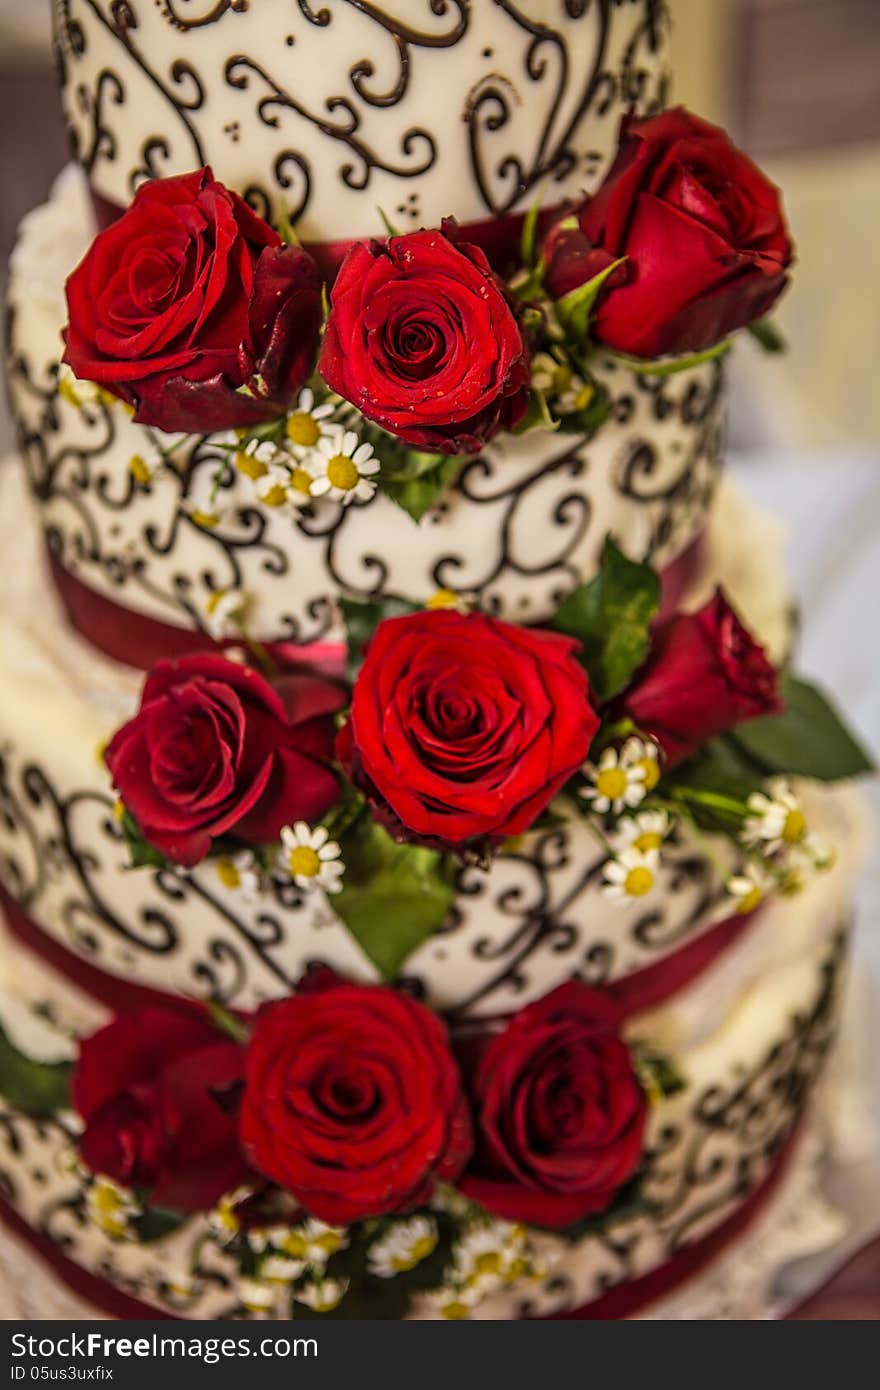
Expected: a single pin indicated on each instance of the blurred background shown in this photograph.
(797, 83)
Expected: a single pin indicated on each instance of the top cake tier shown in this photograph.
(329, 112)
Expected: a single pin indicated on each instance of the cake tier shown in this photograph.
(519, 528)
(536, 917)
(749, 1041)
(328, 112)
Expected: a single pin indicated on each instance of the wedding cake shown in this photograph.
(425, 887)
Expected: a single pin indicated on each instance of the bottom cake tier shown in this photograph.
(749, 1040)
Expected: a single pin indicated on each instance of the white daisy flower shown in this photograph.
(274, 486)
(180, 1283)
(485, 1255)
(322, 1295)
(257, 1296)
(547, 373)
(568, 392)
(225, 612)
(311, 858)
(576, 397)
(631, 875)
(256, 458)
(817, 852)
(110, 1208)
(777, 821)
(644, 832)
(749, 888)
(313, 1242)
(455, 1304)
(240, 873)
(618, 780)
(403, 1246)
(223, 1219)
(344, 468)
(281, 1269)
(308, 423)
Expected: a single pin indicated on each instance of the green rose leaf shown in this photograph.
(393, 896)
(154, 1223)
(768, 336)
(36, 1088)
(611, 617)
(416, 489)
(808, 740)
(670, 366)
(537, 416)
(575, 309)
(361, 620)
(141, 853)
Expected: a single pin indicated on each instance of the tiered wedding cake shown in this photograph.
(410, 912)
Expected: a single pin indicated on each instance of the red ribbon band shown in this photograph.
(138, 640)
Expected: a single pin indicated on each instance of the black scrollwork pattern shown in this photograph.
(524, 104)
(536, 918)
(711, 1148)
(519, 528)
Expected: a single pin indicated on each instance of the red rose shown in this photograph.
(353, 1101)
(189, 298)
(422, 339)
(559, 1111)
(149, 1087)
(216, 750)
(464, 726)
(702, 230)
(705, 674)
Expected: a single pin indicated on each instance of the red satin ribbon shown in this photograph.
(498, 237)
(620, 1302)
(138, 640)
(633, 993)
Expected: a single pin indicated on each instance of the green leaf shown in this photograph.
(226, 1022)
(36, 1088)
(808, 740)
(765, 332)
(155, 1223)
(629, 1203)
(393, 896)
(416, 493)
(669, 366)
(529, 237)
(611, 617)
(141, 853)
(537, 416)
(715, 785)
(660, 1076)
(361, 620)
(575, 309)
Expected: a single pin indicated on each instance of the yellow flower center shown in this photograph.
(328, 1241)
(228, 874)
(301, 481)
(119, 810)
(648, 840)
(216, 599)
(750, 900)
(295, 1245)
(455, 1310)
(302, 429)
(651, 769)
(584, 396)
(612, 783)
(139, 469)
(250, 466)
(795, 827)
(418, 1251)
(443, 598)
(108, 1210)
(638, 882)
(342, 472)
(208, 520)
(304, 862)
(274, 496)
(488, 1263)
(561, 378)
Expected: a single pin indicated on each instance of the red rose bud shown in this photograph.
(571, 261)
(353, 1101)
(703, 232)
(705, 674)
(560, 1112)
(464, 727)
(191, 309)
(423, 339)
(145, 1086)
(216, 750)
